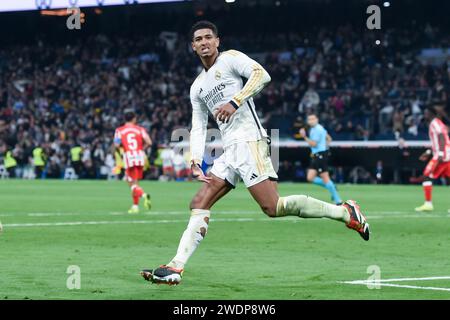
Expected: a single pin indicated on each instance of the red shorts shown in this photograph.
(183, 173)
(436, 170)
(168, 170)
(135, 173)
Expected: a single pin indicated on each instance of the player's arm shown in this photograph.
(117, 142)
(310, 142)
(441, 151)
(441, 140)
(198, 136)
(243, 66)
(147, 140)
(248, 68)
(329, 139)
(424, 156)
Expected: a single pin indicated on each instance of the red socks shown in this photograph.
(136, 193)
(427, 189)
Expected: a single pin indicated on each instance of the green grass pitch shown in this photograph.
(50, 225)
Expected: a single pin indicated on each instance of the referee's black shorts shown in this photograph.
(319, 161)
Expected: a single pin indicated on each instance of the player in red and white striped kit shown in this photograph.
(134, 140)
(439, 165)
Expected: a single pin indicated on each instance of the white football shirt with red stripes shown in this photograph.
(131, 137)
(437, 127)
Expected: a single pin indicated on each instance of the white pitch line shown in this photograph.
(412, 216)
(187, 213)
(184, 213)
(404, 212)
(77, 223)
(396, 280)
(53, 214)
(383, 284)
(413, 287)
(118, 213)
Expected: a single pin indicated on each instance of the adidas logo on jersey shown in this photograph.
(254, 176)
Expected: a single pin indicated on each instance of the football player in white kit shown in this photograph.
(220, 90)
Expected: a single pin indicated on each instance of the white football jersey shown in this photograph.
(220, 84)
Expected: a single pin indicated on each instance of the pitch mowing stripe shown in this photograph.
(370, 214)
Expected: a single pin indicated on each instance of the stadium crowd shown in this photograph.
(56, 97)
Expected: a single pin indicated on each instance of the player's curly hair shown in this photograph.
(204, 24)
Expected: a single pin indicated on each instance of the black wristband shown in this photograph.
(234, 104)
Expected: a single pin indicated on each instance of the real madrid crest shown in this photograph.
(218, 75)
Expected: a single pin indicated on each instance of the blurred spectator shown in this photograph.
(309, 102)
(360, 175)
(56, 93)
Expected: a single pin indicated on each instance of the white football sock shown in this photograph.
(192, 236)
(307, 207)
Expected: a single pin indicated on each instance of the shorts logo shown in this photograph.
(218, 75)
(254, 176)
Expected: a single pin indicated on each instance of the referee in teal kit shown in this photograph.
(318, 169)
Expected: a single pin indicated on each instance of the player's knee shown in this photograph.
(196, 202)
(270, 210)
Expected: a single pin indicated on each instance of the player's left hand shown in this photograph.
(224, 113)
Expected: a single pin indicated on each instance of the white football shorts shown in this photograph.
(248, 160)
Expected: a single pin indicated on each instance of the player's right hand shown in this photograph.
(302, 132)
(198, 174)
(425, 155)
(224, 112)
